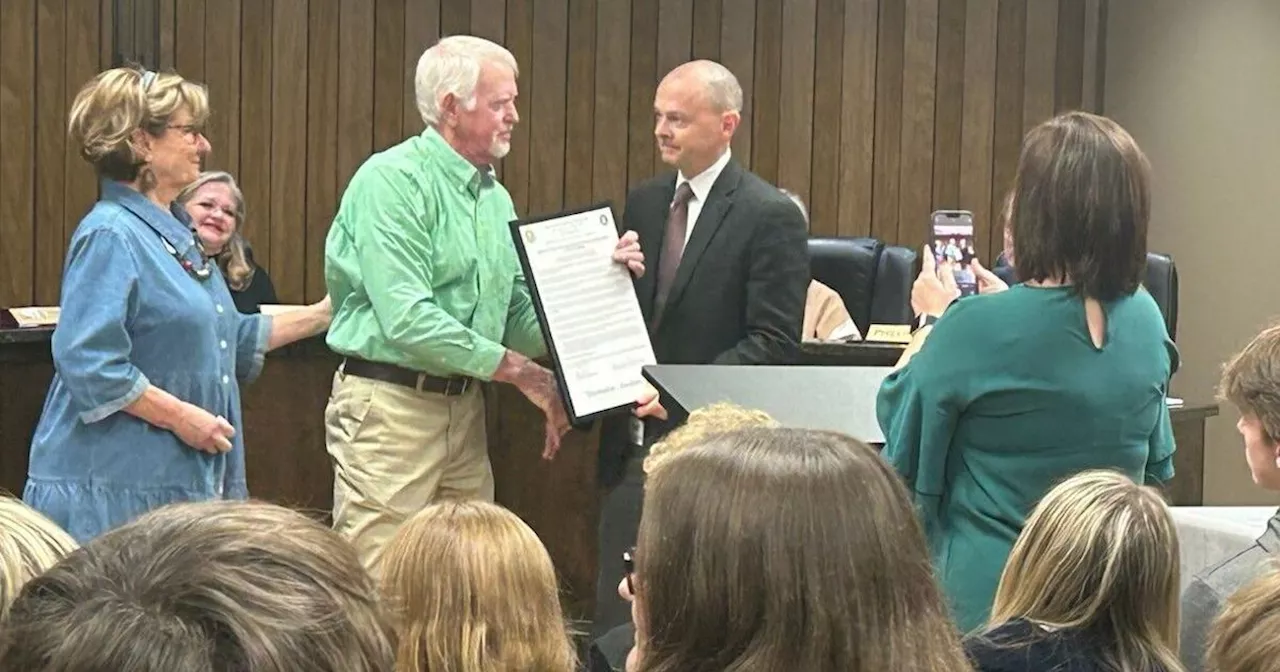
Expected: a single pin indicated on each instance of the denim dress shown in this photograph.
(139, 307)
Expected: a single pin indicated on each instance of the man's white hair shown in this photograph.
(453, 66)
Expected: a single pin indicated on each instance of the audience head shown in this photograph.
(702, 423)
(29, 545)
(214, 587)
(470, 587)
(1099, 553)
(1243, 636)
(795, 198)
(1251, 383)
(1082, 198)
(697, 107)
(779, 549)
(216, 207)
(465, 88)
(140, 127)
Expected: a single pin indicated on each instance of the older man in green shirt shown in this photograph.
(429, 300)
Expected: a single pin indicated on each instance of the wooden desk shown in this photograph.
(287, 463)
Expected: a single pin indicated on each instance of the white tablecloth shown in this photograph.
(1208, 534)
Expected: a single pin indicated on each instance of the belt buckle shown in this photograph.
(462, 385)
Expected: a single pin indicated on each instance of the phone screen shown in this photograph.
(952, 241)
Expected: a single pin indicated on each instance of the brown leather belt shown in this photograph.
(398, 375)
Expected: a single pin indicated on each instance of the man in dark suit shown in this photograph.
(728, 271)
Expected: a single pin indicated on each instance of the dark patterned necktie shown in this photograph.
(672, 247)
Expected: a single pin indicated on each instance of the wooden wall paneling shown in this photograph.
(388, 84)
(644, 83)
(611, 115)
(706, 29)
(50, 116)
(1011, 48)
(516, 166)
(17, 161)
(766, 101)
(824, 177)
(322, 138)
(1041, 62)
(580, 104)
(222, 75)
(1068, 76)
(857, 115)
(1089, 75)
(675, 45)
(919, 87)
(255, 126)
(546, 127)
(979, 115)
(83, 55)
(421, 30)
(948, 104)
(189, 50)
(288, 178)
(146, 35)
(1099, 52)
(455, 17)
(737, 53)
(117, 36)
(887, 159)
(355, 87)
(795, 104)
(489, 20)
(166, 20)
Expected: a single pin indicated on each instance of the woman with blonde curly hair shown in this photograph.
(29, 545)
(469, 586)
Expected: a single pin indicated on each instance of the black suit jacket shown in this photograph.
(739, 292)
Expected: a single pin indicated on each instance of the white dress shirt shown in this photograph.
(701, 185)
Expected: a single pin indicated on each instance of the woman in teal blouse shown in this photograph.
(1016, 389)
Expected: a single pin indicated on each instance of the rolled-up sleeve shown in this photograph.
(252, 333)
(397, 273)
(92, 346)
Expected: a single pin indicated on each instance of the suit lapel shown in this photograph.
(719, 200)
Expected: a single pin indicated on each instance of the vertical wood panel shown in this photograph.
(322, 138)
(516, 166)
(455, 17)
(919, 83)
(1068, 77)
(609, 147)
(580, 103)
(979, 113)
(50, 149)
(421, 30)
(167, 21)
(255, 125)
(1041, 62)
(857, 115)
(17, 137)
(887, 162)
(675, 44)
(1090, 80)
(107, 45)
(795, 111)
(824, 181)
(83, 54)
(489, 19)
(146, 44)
(547, 111)
(222, 76)
(289, 151)
(768, 90)
(355, 87)
(644, 52)
(737, 53)
(388, 54)
(706, 29)
(189, 47)
(1007, 136)
(949, 104)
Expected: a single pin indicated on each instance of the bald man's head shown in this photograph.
(697, 109)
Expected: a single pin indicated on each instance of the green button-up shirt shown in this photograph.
(421, 268)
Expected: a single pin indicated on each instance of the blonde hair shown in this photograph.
(701, 424)
(233, 258)
(218, 585)
(117, 102)
(469, 586)
(1099, 553)
(1243, 636)
(29, 544)
(1251, 381)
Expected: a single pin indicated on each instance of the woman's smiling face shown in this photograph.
(213, 214)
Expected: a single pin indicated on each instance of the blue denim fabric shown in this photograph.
(133, 316)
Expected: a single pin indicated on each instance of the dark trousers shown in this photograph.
(619, 523)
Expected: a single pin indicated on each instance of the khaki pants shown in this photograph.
(395, 450)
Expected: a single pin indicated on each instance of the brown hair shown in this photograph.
(1082, 199)
(786, 549)
(1099, 553)
(29, 544)
(1243, 636)
(117, 102)
(233, 259)
(1251, 381)
(214, 586)
(470, 587)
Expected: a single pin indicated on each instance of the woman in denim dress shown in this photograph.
(144, 407)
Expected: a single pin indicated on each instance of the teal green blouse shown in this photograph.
(1009, 396)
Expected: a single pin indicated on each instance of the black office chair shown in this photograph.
(872, 278)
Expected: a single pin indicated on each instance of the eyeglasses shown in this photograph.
(629, 567)
(192, 132)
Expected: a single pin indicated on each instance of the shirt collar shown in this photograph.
(174, 225)
(702, 182)
(465, 174)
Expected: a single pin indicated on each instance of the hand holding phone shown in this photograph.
(951, 239)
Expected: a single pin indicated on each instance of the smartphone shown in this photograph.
(951, 237)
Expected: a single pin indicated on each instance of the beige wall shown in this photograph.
(1198, 85)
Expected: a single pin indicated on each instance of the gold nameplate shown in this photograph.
(889, 333)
